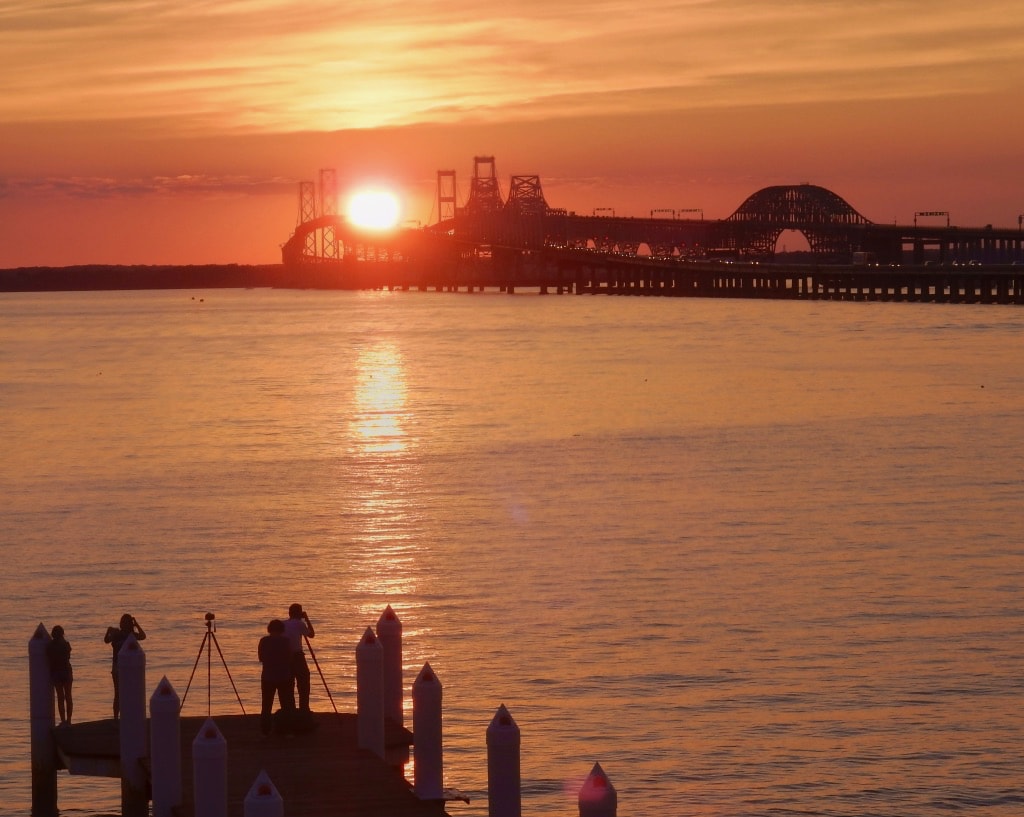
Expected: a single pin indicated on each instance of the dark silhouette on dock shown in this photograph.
(321, 773)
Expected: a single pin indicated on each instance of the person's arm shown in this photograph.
(140, 634)
(309, 626)
(111, 635)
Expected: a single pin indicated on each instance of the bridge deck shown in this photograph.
(322, 773)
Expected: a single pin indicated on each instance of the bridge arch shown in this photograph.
(828, 222)
(309, 242)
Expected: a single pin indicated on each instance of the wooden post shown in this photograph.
(44, 765)
(428, 771)
(165, 749)
(369, 693)
(504, 792)
(210, 771)
(263, 799)
(131, 672)
(597, 795)
(389, 633)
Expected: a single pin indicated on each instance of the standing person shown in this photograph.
(275, 653)
(116, 637)
(296, 627)
(58, 654)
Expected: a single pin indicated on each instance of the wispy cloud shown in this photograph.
(97, 187)
(276, 65)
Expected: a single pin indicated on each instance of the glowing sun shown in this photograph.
(374, 209)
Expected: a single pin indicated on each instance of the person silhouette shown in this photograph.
(296, 628)
(116, 637)
(275, 653)
(58, 655)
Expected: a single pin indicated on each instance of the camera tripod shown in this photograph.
(210, 636)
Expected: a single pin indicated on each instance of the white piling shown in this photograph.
(131, 672)
(504, 792)
(369, 693)
(44, 765)
(263, 799)
(210, 771)
(597, 796)
(165, 749)
(389, 632)
(428, 771)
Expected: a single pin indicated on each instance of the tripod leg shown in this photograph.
(321, 672)
(193, 675)
(232, 680)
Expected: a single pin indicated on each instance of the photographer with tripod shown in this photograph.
(297, 627)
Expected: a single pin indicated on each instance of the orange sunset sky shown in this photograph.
(152, 132)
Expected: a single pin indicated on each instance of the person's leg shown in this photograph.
(291, 683)
(267, 708)
(302, 679)
(117, 699)
(286, 695)
(58, 687)
(68, 702)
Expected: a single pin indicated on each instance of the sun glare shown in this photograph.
(374, 209)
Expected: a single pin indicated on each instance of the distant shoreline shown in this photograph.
(88, 277)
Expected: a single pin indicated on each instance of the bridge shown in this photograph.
(520, 240)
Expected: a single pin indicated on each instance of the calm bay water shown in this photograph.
(754, 558)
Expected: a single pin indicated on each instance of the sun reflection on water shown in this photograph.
(384, 494)
(380, 400)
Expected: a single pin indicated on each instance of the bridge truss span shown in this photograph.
(491, 225)
(832, 227)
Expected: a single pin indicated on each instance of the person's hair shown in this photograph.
(275, 626)
(295, 610)
(57, 631)
(126, 621)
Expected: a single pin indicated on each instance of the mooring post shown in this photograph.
(210, 771)
(263, 799)
(389, 633)
(369, 693)
(131, 673)
(597, 796)
(43, 750)
(428, 770)
(504, 792)
(165, 749)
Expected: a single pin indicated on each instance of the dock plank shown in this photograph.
(322, 773)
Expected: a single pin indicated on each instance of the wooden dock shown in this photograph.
(321, 773)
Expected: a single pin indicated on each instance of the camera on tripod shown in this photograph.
(210, 636)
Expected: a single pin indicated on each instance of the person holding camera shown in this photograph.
(115, 637)
(297, 627)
